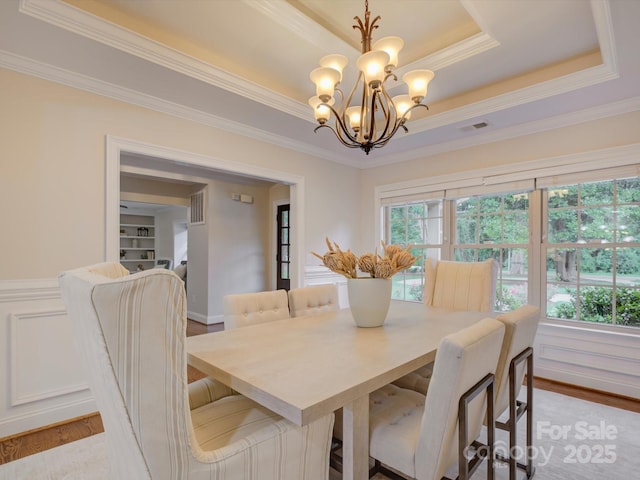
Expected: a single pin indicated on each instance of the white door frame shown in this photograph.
(116, 146)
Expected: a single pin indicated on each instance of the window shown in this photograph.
(593, 252)
(496, 226)
(566, 239)
(419, 224)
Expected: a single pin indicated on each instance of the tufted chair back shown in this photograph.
(313, 300)
(461, 285)
(245, 309)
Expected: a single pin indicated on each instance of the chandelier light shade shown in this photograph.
(368, 117)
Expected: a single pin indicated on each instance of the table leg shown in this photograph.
(355, 440)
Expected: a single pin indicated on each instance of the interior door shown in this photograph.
(284, 247)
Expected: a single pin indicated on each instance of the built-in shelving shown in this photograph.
(137, 241)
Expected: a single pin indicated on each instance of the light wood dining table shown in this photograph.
(306, 367)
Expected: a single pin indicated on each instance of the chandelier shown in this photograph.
(376, 119)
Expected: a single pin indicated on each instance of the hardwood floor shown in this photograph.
(34, 441)
(595, 396)
(197, 328)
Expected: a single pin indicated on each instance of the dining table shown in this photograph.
(306, 367)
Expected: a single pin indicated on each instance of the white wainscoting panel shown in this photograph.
(602, 360)
(36, 372)
(41, 374)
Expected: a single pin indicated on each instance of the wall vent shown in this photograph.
(474, 126)
(196, 208)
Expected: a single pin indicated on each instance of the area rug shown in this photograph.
(573, 440)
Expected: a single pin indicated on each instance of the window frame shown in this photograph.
(580, 245)
(579, 167)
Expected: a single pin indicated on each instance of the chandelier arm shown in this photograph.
(349, 98)
(387, 114)
(416, 105)
(341, 124)
(336, 89)
(400, 123)
(372, 122)
(365, 124)
(346, 144)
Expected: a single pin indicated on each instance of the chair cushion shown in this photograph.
(418, 380)
(207, 390)
(230, 419)
(394, 428)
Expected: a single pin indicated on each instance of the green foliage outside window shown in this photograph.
(596, 305)
(601, 223)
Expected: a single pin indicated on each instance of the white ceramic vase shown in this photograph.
(369, 300)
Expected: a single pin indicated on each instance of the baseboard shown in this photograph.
(205, 319)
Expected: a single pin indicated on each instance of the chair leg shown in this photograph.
(529, 469)
(467, 468)
(516, 410)
(335, 460)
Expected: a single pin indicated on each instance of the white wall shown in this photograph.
(166, 218)
(236, 244)
(52, 205)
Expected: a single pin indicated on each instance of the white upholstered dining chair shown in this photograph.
(130, 331)
(521, 326)
(467, 286)
(243, 309)
(313, 300)
(423, 437)
(453, 285)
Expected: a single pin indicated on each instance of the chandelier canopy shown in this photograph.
(377, 118)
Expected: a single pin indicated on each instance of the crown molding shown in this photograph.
(469, 47)
(289, 17)
(540, 91)
(551, 123)
(99, 87)
(83, 23)
(55, 74)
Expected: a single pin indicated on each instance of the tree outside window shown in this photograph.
(593, 252)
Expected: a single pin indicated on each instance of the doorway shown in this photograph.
(283, 262)
(174, 163)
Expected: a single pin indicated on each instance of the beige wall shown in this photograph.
(52, 173)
